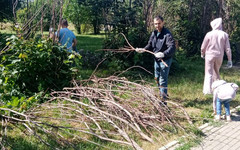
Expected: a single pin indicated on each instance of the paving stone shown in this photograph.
(235, 147)
(224, 137)
(233, 142)
(226, 147)
(220, 146)
(207, 129)
(212, 146)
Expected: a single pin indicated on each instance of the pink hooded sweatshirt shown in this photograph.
(216, 41)
(214, 44)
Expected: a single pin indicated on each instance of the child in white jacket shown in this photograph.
(223, 93)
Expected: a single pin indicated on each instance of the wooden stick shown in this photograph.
(143, 50)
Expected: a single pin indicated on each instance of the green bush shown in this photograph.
(137, 37)
(32, 66)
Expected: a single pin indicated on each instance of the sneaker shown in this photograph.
(223, 117)
(228, 118)
(217, 118)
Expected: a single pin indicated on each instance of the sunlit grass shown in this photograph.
(90, 42)
(84, 41)
(185, 87)
(7, 32)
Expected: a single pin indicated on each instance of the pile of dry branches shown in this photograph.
(112, 109)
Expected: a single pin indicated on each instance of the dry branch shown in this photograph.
(112, 109)
(130, 48)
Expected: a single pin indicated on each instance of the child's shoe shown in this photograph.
(228, 118)
(217, 118)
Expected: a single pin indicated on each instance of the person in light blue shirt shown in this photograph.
(66, 37)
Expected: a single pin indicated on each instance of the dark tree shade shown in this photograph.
(6, 8)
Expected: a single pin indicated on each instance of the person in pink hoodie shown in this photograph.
(223, 93)
(212, 50)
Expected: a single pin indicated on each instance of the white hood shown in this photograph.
(217, 83)
(216, 24)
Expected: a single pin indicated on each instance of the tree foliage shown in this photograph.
(32, 66)
(189, 20)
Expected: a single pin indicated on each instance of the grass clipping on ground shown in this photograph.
(110, 109)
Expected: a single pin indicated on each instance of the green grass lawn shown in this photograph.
(84, 41)
(186, 88)
(185, 84)
(89, 42)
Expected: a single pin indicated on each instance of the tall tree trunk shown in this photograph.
(147, 12)
(227, 16)
(14, 3)
(237, 46)
(79, 26)
(53, 20)
(220, 6)
(61, 10)
(96, 26)
(190, 14)
(42, 22)
(204, 16)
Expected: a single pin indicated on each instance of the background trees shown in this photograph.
(32, 65)
(188, 20)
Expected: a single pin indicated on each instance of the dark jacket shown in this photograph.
(164, 42)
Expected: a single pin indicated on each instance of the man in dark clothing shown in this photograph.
(161, 42)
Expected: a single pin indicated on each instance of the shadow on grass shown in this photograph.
(234, 103)
(29, 142)
(19, 143)
(198, 103)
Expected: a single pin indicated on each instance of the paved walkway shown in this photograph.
(223, 137)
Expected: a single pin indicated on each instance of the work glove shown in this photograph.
(159, 55)
(50, 30)
(202, 56)
(229, 64)
(139, 50)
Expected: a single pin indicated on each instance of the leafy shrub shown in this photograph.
(90, 59)
(137, 37)
(32, 66)
(2, 40)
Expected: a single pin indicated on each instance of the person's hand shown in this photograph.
(159, 55)
(229, 64)
(50, 30)
(140, 50)
(202, 56)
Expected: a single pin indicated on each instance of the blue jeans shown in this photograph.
(226, 105)
(161, 76)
